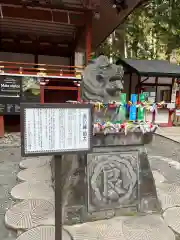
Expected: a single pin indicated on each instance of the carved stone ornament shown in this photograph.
(102, 81)
(112, 180)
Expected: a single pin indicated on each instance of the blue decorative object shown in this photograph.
(134, 98)
(132, 113)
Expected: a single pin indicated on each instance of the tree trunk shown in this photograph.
(169, 44)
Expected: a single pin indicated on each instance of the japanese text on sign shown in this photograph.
(56, 130)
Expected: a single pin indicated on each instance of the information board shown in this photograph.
(49, 129)
(177, 112)
(10, 94)
(9, 106)
(10, 86)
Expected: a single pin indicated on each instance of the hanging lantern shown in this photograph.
(119, 5)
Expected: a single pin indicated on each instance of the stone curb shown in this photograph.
(10, 146)
(158, 134)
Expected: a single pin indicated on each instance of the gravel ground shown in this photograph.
(10, 140)
(9, 166)
(10, 158)
(165, 147)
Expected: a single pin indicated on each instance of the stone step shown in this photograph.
(35, 174)
(28, 214)
(34, 162)
(43, 233)
(37, 190)
(123, 228)
(172, 218)
(39, 233)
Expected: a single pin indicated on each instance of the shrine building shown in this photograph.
(45, 45)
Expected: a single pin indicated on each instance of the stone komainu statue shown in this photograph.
(102, 81)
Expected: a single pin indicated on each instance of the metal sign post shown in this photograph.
(56, 129)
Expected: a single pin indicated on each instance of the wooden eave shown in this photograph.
(55, 27)
(37, 29)
(109, 20)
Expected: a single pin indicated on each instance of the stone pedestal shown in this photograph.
(114, 179)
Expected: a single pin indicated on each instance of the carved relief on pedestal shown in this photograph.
(112, 180)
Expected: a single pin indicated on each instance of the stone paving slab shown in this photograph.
(100, 230)
(26, 190)
(172, 218)
(147, 227)
(172, 133)
(165, 165)
(34, 162)
(27, 214)
(166, 172)
(130, 228)
(48, 220)
(35, 174)
(9, 161)
(43, 233)
(168, 190)
(39, 233)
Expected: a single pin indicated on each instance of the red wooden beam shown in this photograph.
(61, 88)
(55, 6)
(30, 48)
(92, 4)
(41, 94)
(40, 39)
(47, 15)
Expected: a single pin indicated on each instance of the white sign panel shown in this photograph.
(53, 129)
(171, 105)
(177, 112)
(162, 116)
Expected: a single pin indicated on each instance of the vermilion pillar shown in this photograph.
(170, 123)
(79, 94)
(88, 37)
(41, 93)
(1, 126)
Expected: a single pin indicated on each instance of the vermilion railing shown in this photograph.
(50, 70)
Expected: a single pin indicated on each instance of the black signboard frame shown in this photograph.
(24, 106)
(10, 84)
(9, 105)
(9, 102)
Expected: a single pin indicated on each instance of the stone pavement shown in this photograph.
(32, 216)
(170, 132)
(9, 162)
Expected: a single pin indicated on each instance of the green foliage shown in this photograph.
(152, 31)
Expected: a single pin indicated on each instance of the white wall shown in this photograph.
(53, 60)
(162, 116)
(149, 80)
(16, 57)
(29, 58)
(161, 80)
(165, 80)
